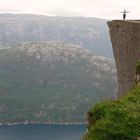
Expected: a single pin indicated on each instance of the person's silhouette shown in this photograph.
(124, 14)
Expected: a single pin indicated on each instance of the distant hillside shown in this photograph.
(90, 33)
(53, 82)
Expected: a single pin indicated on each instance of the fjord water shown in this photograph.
(42, 132)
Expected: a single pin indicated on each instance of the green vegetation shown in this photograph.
(138, 68)
(117, 119)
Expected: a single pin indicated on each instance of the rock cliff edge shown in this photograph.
(125, 38)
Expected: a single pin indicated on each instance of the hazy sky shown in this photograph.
(109, 9)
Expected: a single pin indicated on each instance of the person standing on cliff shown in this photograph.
(124, 14)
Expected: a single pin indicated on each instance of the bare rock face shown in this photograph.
(125, 38)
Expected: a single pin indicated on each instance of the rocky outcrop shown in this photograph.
(125, 38)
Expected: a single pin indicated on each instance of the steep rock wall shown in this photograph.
(125, 38)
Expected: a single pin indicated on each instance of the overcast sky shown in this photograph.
(109, 9)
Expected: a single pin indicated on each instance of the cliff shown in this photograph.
(125, 38)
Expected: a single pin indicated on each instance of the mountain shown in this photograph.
(52, 82)
(89, 33)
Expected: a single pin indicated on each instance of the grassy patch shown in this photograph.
(116, 120)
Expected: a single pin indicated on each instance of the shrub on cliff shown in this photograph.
(116, 120)
(138, 67)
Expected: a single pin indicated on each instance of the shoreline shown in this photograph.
(39, 123)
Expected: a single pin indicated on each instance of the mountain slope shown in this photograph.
(90, 33)
(53, 82)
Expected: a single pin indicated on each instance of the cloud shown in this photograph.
(93, 8)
